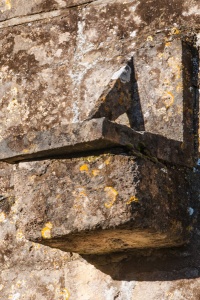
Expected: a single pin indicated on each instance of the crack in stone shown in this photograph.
(39, 16)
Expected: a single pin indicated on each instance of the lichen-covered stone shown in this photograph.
(62, 69)
(92, 135)
(165, 88)
(125, 201)
(106, 35)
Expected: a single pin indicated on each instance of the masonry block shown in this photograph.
(101, 204)
(92, 135)
(166, 89)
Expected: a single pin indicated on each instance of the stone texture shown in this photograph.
(96, 134)
(18, 8)
(110, 31)
(33, 271)
(90, 51)
(126, 202)
(167, 76)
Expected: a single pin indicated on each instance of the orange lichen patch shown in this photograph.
(107, 161)
(65, 293)
(95, 172)
(167, 44)
(168, 99)
(46, 231)
(84, 168)
(175, 30)
(132, 199)
(25, 150)
(112, 195)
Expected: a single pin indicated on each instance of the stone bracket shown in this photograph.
(89, 136)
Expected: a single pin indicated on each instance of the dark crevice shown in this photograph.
(41, 12)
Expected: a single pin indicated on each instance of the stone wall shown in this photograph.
(99, 211)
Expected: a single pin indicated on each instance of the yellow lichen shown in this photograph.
(46, 231)
(160, 55)
(19, 235)
(95, 172)
(132, 199)
(167, 44)
(169, 99)
(82, 194)
(175, 30)
(25, 150)
(107, 161)
(149, 38)
(65, 293)
(36, 246)
(112, 194)
(84, 168)
(8, 4)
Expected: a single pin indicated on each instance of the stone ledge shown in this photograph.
(91, 135)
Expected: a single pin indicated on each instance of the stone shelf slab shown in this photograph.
(102, 204)
(91, 135)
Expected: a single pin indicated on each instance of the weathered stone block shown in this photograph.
(63, 67)
(96, 134)
(102, 204)
(53, 74)
(166, 89)
(45, 51)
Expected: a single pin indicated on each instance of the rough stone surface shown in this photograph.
(166, 108)
(125, 201)
(94, 40)
(17, 8)
(89, 45)
(33, 271)
(91, 135)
